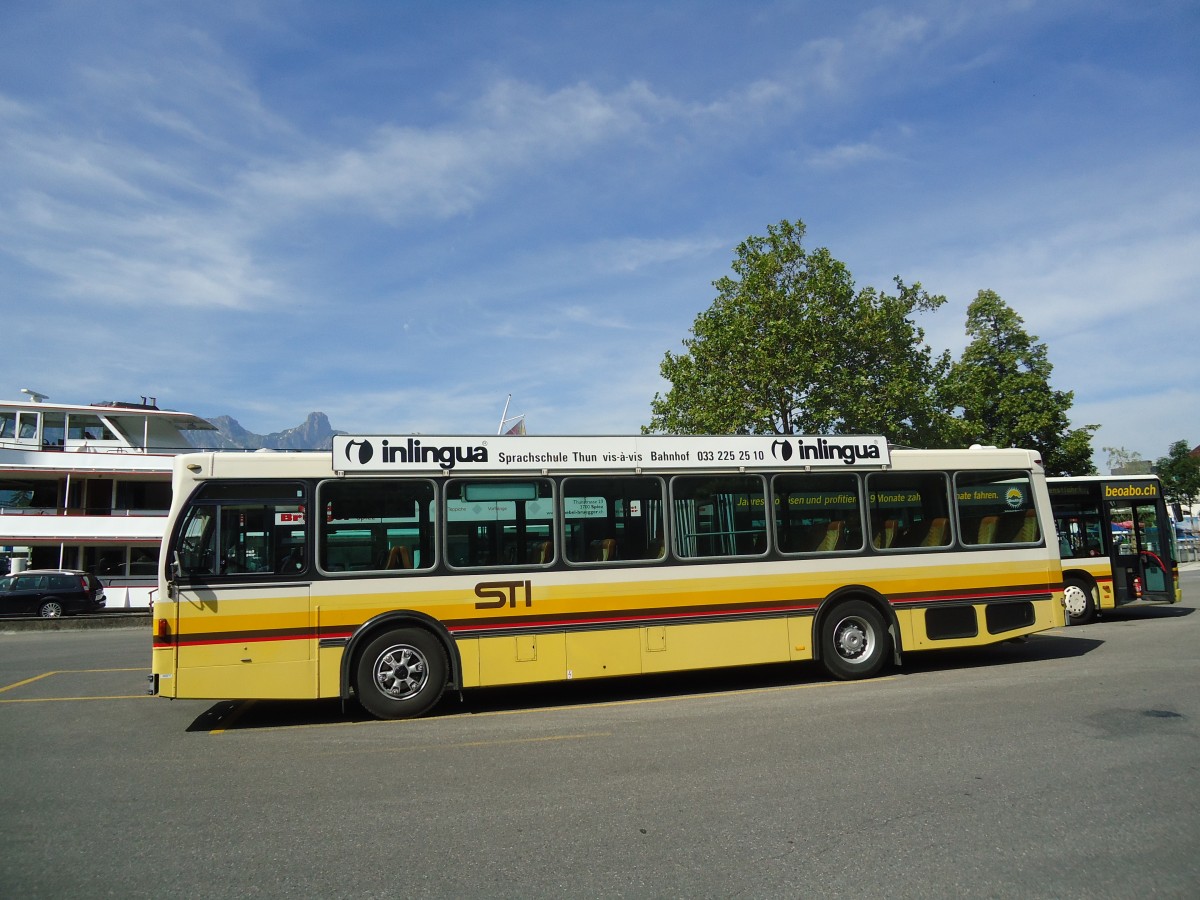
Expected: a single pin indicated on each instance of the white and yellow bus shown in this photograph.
(396, 568)
(1117, 543)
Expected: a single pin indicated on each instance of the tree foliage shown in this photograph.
(1001, 384)
(1179, 472)
(790, 346)
(1127, 462)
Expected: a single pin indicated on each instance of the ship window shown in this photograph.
(143, 495)
(87, 427)
(54, 429)
(107, 562)
(29, 494)
(27, 425)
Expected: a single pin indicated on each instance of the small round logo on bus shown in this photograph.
(1015, 498)
(365, 451)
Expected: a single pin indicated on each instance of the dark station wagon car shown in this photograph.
(50, 593)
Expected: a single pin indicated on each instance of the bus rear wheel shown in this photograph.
(401, 674)
(854, 640)
(1080, 604)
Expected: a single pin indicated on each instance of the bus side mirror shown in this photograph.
(176, 571)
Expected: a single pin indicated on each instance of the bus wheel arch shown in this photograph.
(421, 652)
(1079, 598)
(853, 632)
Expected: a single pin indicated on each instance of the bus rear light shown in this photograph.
(162, 628)
(1137, 588)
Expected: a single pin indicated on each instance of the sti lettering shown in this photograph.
(499, 594)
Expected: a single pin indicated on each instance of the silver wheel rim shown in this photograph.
(1076, 600)
(400, 672)
(51, 611)
(854, 640)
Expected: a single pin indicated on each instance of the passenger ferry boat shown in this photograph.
(89, 487)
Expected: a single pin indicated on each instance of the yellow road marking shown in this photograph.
(17, 684)
(27, 681)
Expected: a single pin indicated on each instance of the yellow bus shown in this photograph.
(1117, 543)
(396, 568)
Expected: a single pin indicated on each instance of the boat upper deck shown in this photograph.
(100, 437)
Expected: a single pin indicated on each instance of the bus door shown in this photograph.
(1144, 559)
(242, 593)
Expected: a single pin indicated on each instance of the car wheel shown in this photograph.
(401, 674)
(50, 609)
(854, 640)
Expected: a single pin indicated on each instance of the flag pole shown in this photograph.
(505, 418)
(504, 415)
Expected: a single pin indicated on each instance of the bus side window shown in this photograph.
(719, 515)
(500, 523)
(610, 519)
(376, 525)
(244, 528)
(817, 512)
(909, 510)
(997, 508)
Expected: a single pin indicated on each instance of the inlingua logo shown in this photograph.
(365, 451)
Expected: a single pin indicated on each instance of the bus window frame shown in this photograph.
(950, 509)
(675, 533)
(444, 501)
(214, 536)
(994, 475)
(860, 503)
(320, 534)
(620, 561)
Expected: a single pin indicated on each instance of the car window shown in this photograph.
(6, 583)
(61, 582)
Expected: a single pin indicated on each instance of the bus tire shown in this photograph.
(854, 640)
(401, 674)
(1080, 604)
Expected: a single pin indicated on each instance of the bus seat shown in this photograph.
(833, 534)
(602, 550)
(885, 535)
(399, 557)
(987, 530)
(936, 535)
(1028, 531)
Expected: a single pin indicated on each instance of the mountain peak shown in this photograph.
(315, 433)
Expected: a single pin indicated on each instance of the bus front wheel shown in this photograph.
(401, 674)
(854, 640)
(1080, 604)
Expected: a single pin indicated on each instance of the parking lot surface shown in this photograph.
(1062, 766)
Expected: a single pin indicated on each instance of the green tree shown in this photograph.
(1002, 385)
(1179, 472)
(790, 346)
(1127, 462)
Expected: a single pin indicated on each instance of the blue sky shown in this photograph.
(400, 212)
